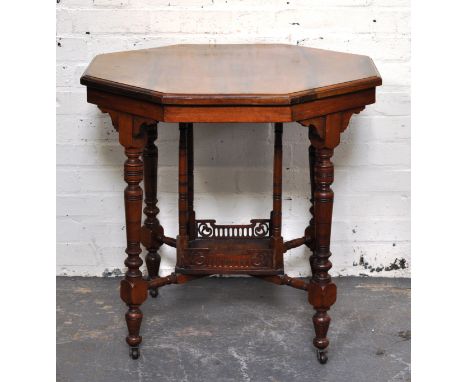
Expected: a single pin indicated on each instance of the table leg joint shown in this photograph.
(294, 243)
(170, 241)
(286, 280)
(173, 278)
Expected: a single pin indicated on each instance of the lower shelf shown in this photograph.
(253, 256)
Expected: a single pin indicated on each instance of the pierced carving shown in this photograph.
(325, 131)
(139, 125)
(209, 229)
(346, 116)
(114, 116)
(202, 258)
(316, 126)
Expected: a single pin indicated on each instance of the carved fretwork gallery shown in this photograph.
(204, 247)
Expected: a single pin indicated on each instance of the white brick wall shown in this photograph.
(371, 229)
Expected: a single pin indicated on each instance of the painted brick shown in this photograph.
(76, 254)
(67, 181)
(390, 104)
(391, 3)
(378, 129)
(90, 154)
(71, 129)
(361, 154)
(367, 179)
(346, 259)
(84, 47)
(110, 21)
(381, 47)
(395, 73)
(356, 206)
(346, 20)
(74, 103)
(111, 3)
(89, 179)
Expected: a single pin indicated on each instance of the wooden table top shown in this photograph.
(255, 74)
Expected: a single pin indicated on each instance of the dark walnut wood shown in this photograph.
(228, 83)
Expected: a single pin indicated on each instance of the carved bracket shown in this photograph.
(346, 116)
(114, 116)
(325, 131)
(132, 129)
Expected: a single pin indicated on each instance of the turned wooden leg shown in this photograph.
(190, 165)
(309, 233)
(133, 289)
(322, 292)
(183, 237)
(276, 213)
(152, 232)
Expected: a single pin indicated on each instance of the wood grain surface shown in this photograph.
(235, 74)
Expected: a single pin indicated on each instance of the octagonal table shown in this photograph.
(186, 84)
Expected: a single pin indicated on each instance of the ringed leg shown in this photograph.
(309, 233)
(276, 213)
(190, 165)
(152, 232)
(324, 136)
(183, 236)
(322, 291)
(133, 288)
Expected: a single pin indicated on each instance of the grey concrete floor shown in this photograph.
(233, 329)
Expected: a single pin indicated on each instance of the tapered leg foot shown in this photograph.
(321, 297)
(134, 293)
(153, 260)
(133, 318)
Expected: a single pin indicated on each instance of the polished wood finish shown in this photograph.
(220, 113)
(286, 280)
(190, 164)
(182, 238)
(133, 289)
(231, 74)
(322, 292)
(228, 83)
(152, 231)
(276, 213)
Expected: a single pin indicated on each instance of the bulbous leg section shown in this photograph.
(321, 322)
(153, 260)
